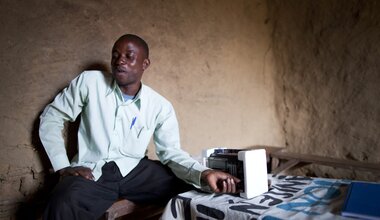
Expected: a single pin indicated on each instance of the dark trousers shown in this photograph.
(78, 198)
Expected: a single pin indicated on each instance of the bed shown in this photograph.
(289, 197)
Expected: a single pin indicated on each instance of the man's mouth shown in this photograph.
(119, 69)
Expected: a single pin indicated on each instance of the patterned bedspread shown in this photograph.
(289, 197)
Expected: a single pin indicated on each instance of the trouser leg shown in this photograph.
(151, 182)
(78, 198)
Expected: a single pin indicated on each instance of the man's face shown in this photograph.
(128, 62)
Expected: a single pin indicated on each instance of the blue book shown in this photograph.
(362, 201)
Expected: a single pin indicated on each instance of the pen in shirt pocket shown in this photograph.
(133, 122)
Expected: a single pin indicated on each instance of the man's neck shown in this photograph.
(131, 90)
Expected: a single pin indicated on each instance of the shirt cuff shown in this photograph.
(60, 161)
(197, 175)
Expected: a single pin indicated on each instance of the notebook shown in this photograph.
(362, 201)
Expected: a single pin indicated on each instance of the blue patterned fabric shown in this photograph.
(289, 197)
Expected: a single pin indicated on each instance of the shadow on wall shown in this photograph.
(33, 206)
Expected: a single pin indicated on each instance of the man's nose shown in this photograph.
(120, 60)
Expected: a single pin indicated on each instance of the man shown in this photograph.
(119, 115)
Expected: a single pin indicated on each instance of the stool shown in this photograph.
(125, 209)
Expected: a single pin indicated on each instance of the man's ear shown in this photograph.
(146, 64)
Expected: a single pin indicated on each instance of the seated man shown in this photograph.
(119, 115)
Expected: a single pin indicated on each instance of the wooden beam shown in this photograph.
(285, 166)
(328, 161)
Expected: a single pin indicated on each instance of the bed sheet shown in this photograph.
(289, 197)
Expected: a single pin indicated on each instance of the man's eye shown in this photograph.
(115, 55)
(129, 56)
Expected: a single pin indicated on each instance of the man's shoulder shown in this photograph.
(95, 79)
(96, 75)
(155, 96)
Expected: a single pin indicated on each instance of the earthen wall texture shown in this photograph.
(211, 59)
(327, 80)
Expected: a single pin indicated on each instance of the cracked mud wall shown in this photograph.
(211, 58)
(328, 79)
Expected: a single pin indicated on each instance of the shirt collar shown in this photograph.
(114, 88)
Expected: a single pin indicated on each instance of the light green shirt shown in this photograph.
(112, 129)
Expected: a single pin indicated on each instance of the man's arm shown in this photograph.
(66, 106)
(166, 138)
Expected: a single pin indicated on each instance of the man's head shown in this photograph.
(130, 58)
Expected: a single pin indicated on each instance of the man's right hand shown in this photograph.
(77, 171)
(220, 182)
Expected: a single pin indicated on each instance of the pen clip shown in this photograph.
(138, 135)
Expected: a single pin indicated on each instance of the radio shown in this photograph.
(250, 166)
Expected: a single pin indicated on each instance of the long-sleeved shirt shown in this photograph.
(112, 129)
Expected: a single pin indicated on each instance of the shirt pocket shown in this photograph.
(136, 143)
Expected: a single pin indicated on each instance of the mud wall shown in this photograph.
(327, 80)
(304, 74)
(212, 59)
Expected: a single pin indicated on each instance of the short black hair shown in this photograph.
(141, 42)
